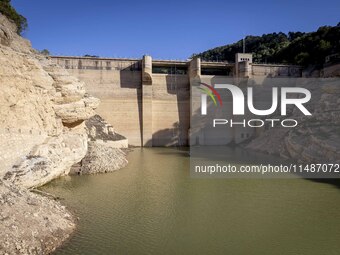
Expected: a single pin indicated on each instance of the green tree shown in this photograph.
(45, 52)
(7, 10)
(292, 48)
(293, 35)
(302, 58)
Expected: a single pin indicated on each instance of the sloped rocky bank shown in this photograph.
(317, 138)
(106, 149)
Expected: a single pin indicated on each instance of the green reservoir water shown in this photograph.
(153, 207)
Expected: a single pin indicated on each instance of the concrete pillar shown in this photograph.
(195, 79)
(237, 68)
(195, 137)
(195, 69)
(147, 101)
(243, 65)
(246, 73)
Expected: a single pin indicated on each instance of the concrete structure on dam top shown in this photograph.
(148, 101)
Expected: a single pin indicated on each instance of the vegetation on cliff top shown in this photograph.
(292, 48)
(7, 10)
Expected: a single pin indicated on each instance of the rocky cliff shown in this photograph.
(42, 134)
(43, 110)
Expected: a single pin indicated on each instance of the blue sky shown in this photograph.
(163, 29)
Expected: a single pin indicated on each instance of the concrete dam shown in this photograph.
(148, 101)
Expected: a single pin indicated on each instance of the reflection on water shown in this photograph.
(154, 207)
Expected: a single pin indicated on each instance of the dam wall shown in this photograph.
(170, 109)
(148, 101)
(332, 70)
(120, 92)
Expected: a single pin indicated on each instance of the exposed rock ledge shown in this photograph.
(49, 160)
(104, 149)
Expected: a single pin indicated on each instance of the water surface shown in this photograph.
(153, 207)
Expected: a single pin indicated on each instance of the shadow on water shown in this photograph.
(334, 182)
(175, 151)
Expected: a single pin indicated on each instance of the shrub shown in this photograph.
(45, 52)
(7, 10)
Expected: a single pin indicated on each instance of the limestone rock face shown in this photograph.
(318, 139)
(31, 224)
(315, 140)
(42, 134)
(42, 111)
(9, 37)
(78, 111)
(49, 160)
(26, 94)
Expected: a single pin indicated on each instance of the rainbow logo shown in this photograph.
(211, 92)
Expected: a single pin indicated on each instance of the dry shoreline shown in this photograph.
(31, 223)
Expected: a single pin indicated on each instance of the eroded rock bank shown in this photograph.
(102, 158)
(106, 149)
(42, 135)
